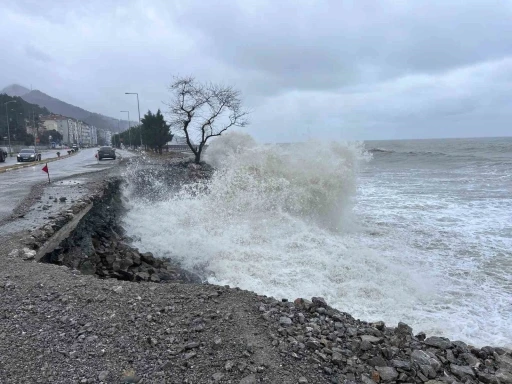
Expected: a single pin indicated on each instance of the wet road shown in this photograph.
(45, 154)
(15, 185)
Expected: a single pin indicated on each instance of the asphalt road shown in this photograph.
(45, 154)
(15, 185)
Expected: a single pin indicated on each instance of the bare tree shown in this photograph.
(203, 111)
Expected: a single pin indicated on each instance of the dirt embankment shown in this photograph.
(64, 324)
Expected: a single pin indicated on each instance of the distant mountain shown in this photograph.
(15, 90)
(62, 108)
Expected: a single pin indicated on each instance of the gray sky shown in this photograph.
(339, 69)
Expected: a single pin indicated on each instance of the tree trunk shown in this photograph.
(198, 157)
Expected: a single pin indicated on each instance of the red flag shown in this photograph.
(45, 168)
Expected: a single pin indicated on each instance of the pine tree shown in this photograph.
(155, 130)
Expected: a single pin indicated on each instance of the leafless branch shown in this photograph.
(203, 111)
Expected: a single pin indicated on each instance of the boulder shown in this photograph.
(462, 371)
(504, 377)
(387, 373)
(285, 321)
(424, 358)
(371, 339)
(319, 302)
(142, 276)
(147, 257)
(403, 329)
(438, 342)
(505, 362)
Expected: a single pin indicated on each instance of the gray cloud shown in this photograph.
(37, 54)
(358, 71)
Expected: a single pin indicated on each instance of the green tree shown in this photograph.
(155, 130)
(21, 115)
(45, 136)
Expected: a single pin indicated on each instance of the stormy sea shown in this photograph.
(418, 231)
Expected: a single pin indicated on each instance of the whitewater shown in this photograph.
(412, 231)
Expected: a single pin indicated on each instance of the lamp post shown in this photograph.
(8, 130)
(138, 108)
(23, 121)
(129, 128)
(36, 128)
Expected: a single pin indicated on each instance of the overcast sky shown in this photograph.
(336, 69)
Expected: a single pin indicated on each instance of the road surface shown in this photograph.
(45, 154)
(15, 185)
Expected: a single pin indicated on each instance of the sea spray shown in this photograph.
(411, 244)
(276, 219)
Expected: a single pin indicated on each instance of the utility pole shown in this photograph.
(129, 128)
(8, 130)
(138, 108)
(36, 129)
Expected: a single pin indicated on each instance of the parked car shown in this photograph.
(3, 154)
(29, 154)
(74, 147)
(106, 152)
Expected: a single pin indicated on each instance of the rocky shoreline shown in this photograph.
(97, 245)
(99, 311)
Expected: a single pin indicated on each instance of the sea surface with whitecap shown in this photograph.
(418, 231)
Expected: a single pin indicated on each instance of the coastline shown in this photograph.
(71, 327)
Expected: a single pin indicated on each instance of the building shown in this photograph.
(94, 136)
(69, 128)
(104, 137)
(85, 139)
(58, 123)
(108, 137)
(71, 133)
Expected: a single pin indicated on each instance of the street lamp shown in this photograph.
(8, 130)
(138, 107)
(129, 128)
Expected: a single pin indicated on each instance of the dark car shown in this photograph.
(29, 154)
(106, 152)
(3, 154)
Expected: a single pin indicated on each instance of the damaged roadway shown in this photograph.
(59, 324)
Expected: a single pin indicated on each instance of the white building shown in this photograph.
(94, 135)
(85, 139)
(64, 125)
(73, 132)
(108, 137)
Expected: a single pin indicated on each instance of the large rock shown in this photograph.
(462, 371)
(285, 321)
(319, 302)
(438, 342)
(505, 362)
(142, 276)
(503, 376)
(403, 329)
(401, 364)
(147, 257)
(424, 358)
(387, 373)
(377, 361)
(371, 339)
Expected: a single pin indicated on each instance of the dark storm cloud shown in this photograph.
(329, 44)
(356, 70)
